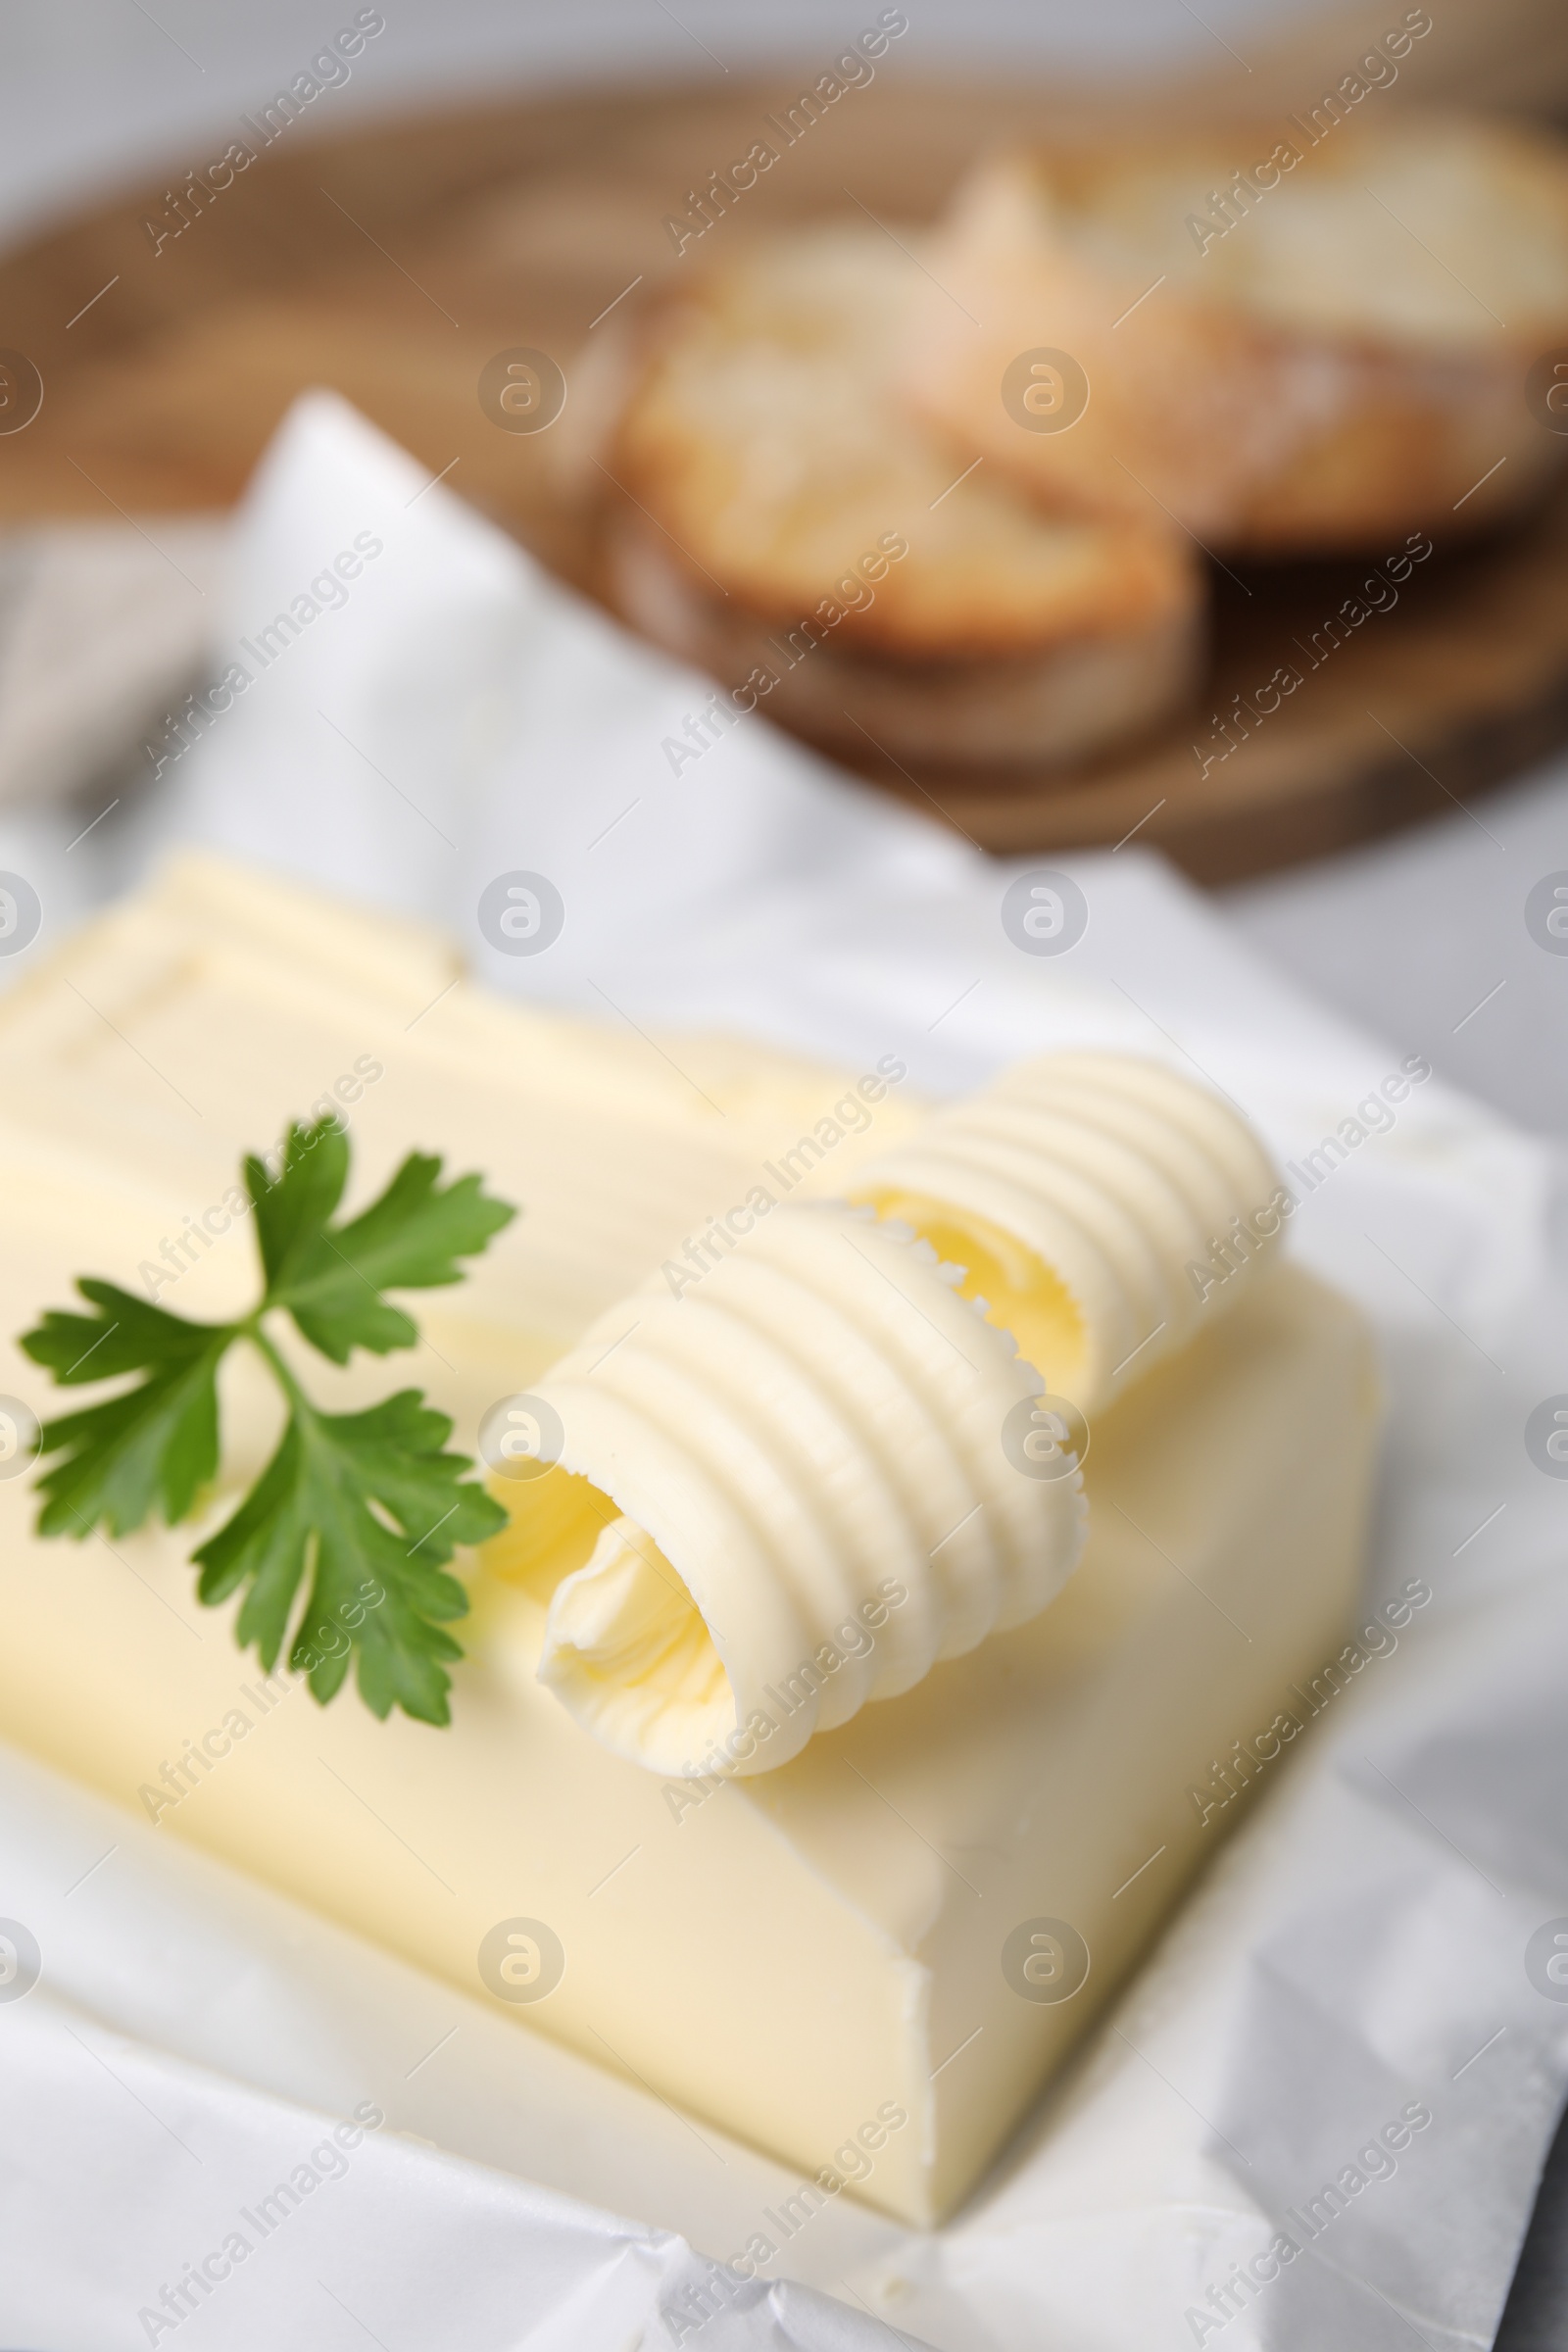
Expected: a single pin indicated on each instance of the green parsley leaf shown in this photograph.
(367, 1506)
(408, 1240)
(313, 1509)
(294, 1207)
(155, 1444)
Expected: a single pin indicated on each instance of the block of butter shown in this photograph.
(878, 1952)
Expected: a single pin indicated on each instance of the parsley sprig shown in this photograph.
(368, 1506)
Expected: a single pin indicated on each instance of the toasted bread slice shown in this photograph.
(1309, 335)
(787, 515)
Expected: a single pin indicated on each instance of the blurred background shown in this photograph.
(503, 167)
(100, 91)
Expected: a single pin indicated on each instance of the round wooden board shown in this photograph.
(392, 263)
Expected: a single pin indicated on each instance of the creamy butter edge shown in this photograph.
(812, 1943)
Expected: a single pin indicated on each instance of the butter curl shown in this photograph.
(812, 1492)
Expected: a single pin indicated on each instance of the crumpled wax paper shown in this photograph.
(1372, 1948)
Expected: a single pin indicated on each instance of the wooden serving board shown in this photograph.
(394, 263)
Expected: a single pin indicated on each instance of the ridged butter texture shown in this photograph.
(814, 1432)
(833, 1420)
(1112, 1205)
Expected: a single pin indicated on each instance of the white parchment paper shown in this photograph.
(1368, 1945)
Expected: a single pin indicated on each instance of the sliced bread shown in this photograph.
(1298, 335)
(787, 520)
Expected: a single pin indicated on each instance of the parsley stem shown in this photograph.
(298, 1401)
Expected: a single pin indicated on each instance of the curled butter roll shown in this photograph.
(790, 1491)
(1103, 1206)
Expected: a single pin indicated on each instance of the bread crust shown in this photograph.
(1052, 708)
(1311, 377)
